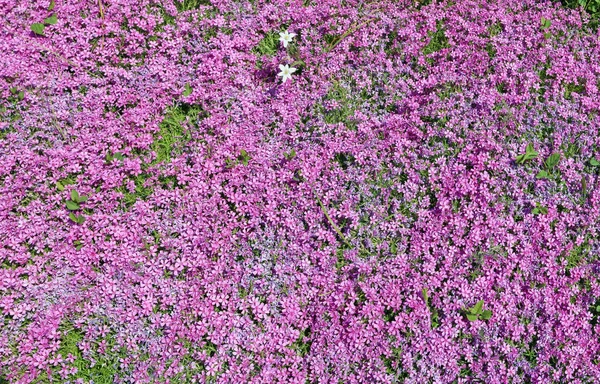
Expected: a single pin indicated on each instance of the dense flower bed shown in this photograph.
(385, 192)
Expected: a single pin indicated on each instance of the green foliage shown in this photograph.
(243, 157)
(551, 162)
(174, 131)
(303, 343)
(571, 88)
(344, 159)
(268, 45)
(495, 29)
(578, 255)
(102, 372)
(477, 312)
(435, 316)
(545, 23)
(17, 95)
(141, 191)
(187, 90)
(38, 28)
(343, 113)
(51, 20)
(112, 156)
(74, 205)
(188, 5)
(290, 155)
(530, 153)
(539, 209)
(592, 7)
(595, 311)
(437, 42)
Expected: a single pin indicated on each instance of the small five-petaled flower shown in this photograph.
(286, 72)
(285, 37)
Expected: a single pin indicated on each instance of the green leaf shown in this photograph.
(21, 95)
(542, 175)
(52, 5)
(60, 186)
(435, 319)
(472, 317)
(14, 90)
(51, 20)
(477, 308)
(229, 163)
(552, 160)
(425, 296)
(546, 23)
(76, 218)
(290, 155)
(594, 162)
(37, 28)
(486, 315)
(188, 90)
(520, 159)
(82, 199)
(530, 149)
(74, 195)
(530, 153)
(72, 206)
(119, 156)
(244, 157)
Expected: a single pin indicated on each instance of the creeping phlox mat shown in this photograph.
(298, 191)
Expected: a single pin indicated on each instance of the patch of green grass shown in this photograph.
(102, 372)
(171, 139)
(188, 5)
(268, 45)
(495, 29)
(344, 111)
(577, 255)
(572, 87)
(592, 7)
(491, 51)
(174, 133)
(437, 42)
(142, 190)
(393, 364)
(303, 343)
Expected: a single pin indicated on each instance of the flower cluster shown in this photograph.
(422, 205)
(286, 71)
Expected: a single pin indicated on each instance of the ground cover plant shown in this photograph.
(299, 191)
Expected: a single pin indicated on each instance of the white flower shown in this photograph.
(286, 72)
(286, 37)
